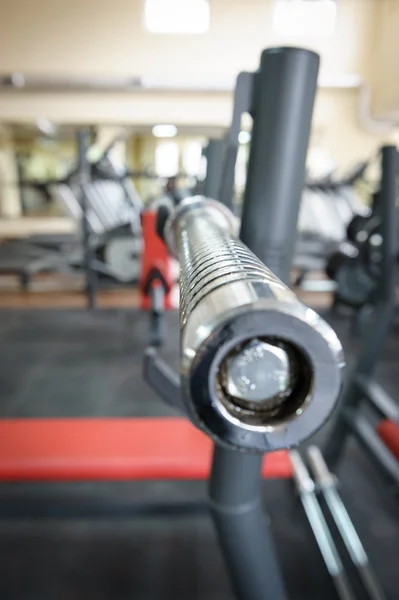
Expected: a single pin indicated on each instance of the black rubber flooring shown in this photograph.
(69, 363)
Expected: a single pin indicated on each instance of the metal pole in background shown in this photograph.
(376, 332)
(283, 98)
(21, 186)
(385, 305)
(236, 508)
(214, 154)
(282, 108)
(242, 104)
(388, 193)
(84, 179)
(306, 489)
(327, 484)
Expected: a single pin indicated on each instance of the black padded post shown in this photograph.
(282, 108)
(245, 539)
(388, 194)
(214, 153)
(282, 100)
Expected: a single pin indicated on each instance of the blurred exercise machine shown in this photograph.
(106, 209)
(328, 206)
(356, 265)
(379, 437)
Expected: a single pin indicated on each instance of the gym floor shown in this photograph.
(75, 363)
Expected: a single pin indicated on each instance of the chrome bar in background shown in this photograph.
(306, 490)
(326, 482)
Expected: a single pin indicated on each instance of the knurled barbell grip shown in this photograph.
(259, 370)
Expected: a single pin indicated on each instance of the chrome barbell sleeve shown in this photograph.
(259, 370)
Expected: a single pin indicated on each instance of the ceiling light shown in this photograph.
(305, 17)
(164, 131)
(244, 137)
(177, 16)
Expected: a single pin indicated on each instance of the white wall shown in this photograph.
(103, 37)
(386, 61)
(336, 128)
(89, 37)
(100, 37)
(122, 108)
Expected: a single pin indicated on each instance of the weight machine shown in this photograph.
(106, 209)
(379, 439)
(356, 266)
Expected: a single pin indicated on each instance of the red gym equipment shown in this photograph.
(157, 278)
(63, 450)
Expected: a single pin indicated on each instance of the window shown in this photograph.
(177, 16)
(192, 158)
(305, 17)
(167, 159)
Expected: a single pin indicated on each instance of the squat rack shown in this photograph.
(280, 98)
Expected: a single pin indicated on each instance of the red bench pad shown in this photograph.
(111, 449)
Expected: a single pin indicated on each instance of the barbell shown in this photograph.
(260, 370)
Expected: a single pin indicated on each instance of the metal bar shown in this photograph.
(242, 104)
(378, 397)
(367, 436)
(98, 204)
(162, 379)
(114, 200)
(214, 153)
(157, 296)
(376, 333)
(329, 552)
(282, 109)
(352, 397)
(20, 187)
(107, 167)
(327, 484)
(388, 195)
(244, 536)
(84, 180)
